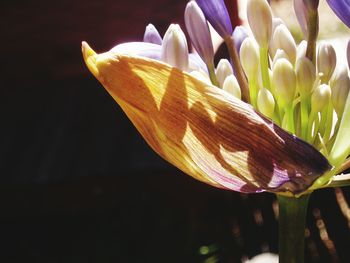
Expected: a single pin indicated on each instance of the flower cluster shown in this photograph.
(222, 123)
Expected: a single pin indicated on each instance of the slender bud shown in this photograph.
(306, 76)
(231, 86)
(266, 102)
(340, 91)
(152, 35)
(260, 21)
(284, 79)
(348, 53)
(223, 70)
(326, 61)
(301, 13)
(249, 56)
(198, 30)
(239, 35)
(284, 40)
(216, 13)
(320, 97)
(174, 48)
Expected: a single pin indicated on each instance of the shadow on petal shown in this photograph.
(204, 131)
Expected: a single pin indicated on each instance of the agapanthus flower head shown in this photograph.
(196, 115)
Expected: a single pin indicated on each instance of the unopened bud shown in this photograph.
(260, 21)
(283, 39)
(152, 35)
(198, 30)
(301, 50)
(284, 79)
(231, 86)
(249, 56)
(301, 13)
(174, 48)
(279, 54)
(239, 35)
(223, 70)
(320, 97)
(306, 75)
(340, 91)
(326, 61)
(266, 102)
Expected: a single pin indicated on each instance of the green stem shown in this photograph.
(240, 75)
(304, 117)
(264, 64)
(212, 75)
(292, 215)
(289, 115)
(253, 92)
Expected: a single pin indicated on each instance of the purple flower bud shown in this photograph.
(198, 31)
(342, 9)
(301, 12)
(348, 53)
(152, 35)
(216, 13)
(239, 34)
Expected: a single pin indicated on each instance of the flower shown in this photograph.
(287, 141)
(203, 130)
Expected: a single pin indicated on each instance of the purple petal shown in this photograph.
(216, 13)
(198, 30)
(152, 35)
(348, 53)
(239, 34)
(342, 9)
(301, 12)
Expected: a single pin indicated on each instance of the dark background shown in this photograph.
(78, 183)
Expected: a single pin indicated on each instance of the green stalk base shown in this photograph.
(292, 216)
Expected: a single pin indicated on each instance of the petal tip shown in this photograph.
(89, 56)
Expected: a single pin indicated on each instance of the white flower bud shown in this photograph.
(260, 21)
(249, 56)
(340, 91)
(284, 81)
(266, 102)
(301, 50)
(278, 55)
(320, 97)
(306, 76)
(231, 86)
(326, 61)
(174, 48)
(223, 70)
(283, 39)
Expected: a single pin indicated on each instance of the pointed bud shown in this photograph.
(284, 79)
(223, 70)
(260, 21)
(152, 35)
(301, 13)
(174, 48)
(239, 35)
(306, 76)
(320, 97)
(301, 49)
(266, 102)
(340, 91)
(231, 86)
(198, 30)
(326, 61)
(216, 13)
(249, 56)
(284, 40)
(348, 53)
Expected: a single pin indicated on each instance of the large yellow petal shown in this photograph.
(203, 130)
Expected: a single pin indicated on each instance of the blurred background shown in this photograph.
(78, 183)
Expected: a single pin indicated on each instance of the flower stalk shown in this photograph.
(292, 217)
